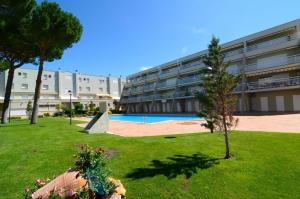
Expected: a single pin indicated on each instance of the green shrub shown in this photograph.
(46, 114)
(79, 109)
(40, 116)
(58, 114)
(92, 166)
(67, 111)
(15, 117)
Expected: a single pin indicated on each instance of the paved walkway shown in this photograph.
(272, 123)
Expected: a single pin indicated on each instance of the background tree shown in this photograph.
(53, 30)
(218, 86)
(29, 108)
(15, 45)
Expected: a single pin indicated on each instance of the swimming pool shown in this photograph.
(155, 118)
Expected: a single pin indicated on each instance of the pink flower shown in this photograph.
(40, 182)
(71, 192)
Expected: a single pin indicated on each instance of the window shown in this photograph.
(19, 73)
(101, 89)
(88, 88)
(45, 77)
(24, 75)
(45, 87)
(80, 79)
(24, 86)
(87, 80)
(49, 76)
(80, 88)
(101, 81)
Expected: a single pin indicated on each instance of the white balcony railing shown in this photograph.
(196, 64)
(272, 42)
(149, 87)
(151, 77)
(168, 72)
(137, 90)
(165, 85)
(138, 80)
(180, 94)
(148, 98)
(134, 99)
(189, 80)
(234, 52)
(276, 83)
(290, 60)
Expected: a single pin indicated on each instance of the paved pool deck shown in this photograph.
(285, 123)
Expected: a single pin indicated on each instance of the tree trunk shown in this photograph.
(8, 88)
(37, 91)
(227, 155)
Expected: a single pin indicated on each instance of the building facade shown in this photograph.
(268, 62)
(55, 89)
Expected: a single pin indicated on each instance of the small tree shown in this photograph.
(91, 107)
(29, 108)
(79, 108)
(218, 95)
(57, 107)
(53, 31)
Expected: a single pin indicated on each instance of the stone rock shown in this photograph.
(119, 186)
(63, 185)
(115, 196)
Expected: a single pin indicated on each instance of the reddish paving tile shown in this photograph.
(271, 123)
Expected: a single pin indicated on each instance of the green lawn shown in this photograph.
(266, 165)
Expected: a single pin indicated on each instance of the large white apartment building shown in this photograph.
(55, 89)
(269, 62)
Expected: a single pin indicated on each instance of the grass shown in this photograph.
(265, 165)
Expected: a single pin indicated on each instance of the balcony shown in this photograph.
(183, 94)
(165, 85)
(123, 101)
(189, 80)
(148, 98)
(125, 92)
(151, 77)
(138, 80)
(136, 90)
(272, 42)
(234, 52)
(290, 60)
(134, 99)
(127, 84)
(274, 84)
(164, 96)
(168, 72)
(149, 87)
(191, 66)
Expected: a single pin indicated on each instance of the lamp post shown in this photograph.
(70, 93)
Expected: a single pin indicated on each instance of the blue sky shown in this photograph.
(122, 37)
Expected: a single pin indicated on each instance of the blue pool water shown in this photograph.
(147, 118)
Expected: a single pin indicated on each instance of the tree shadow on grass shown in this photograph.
(174, 166)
